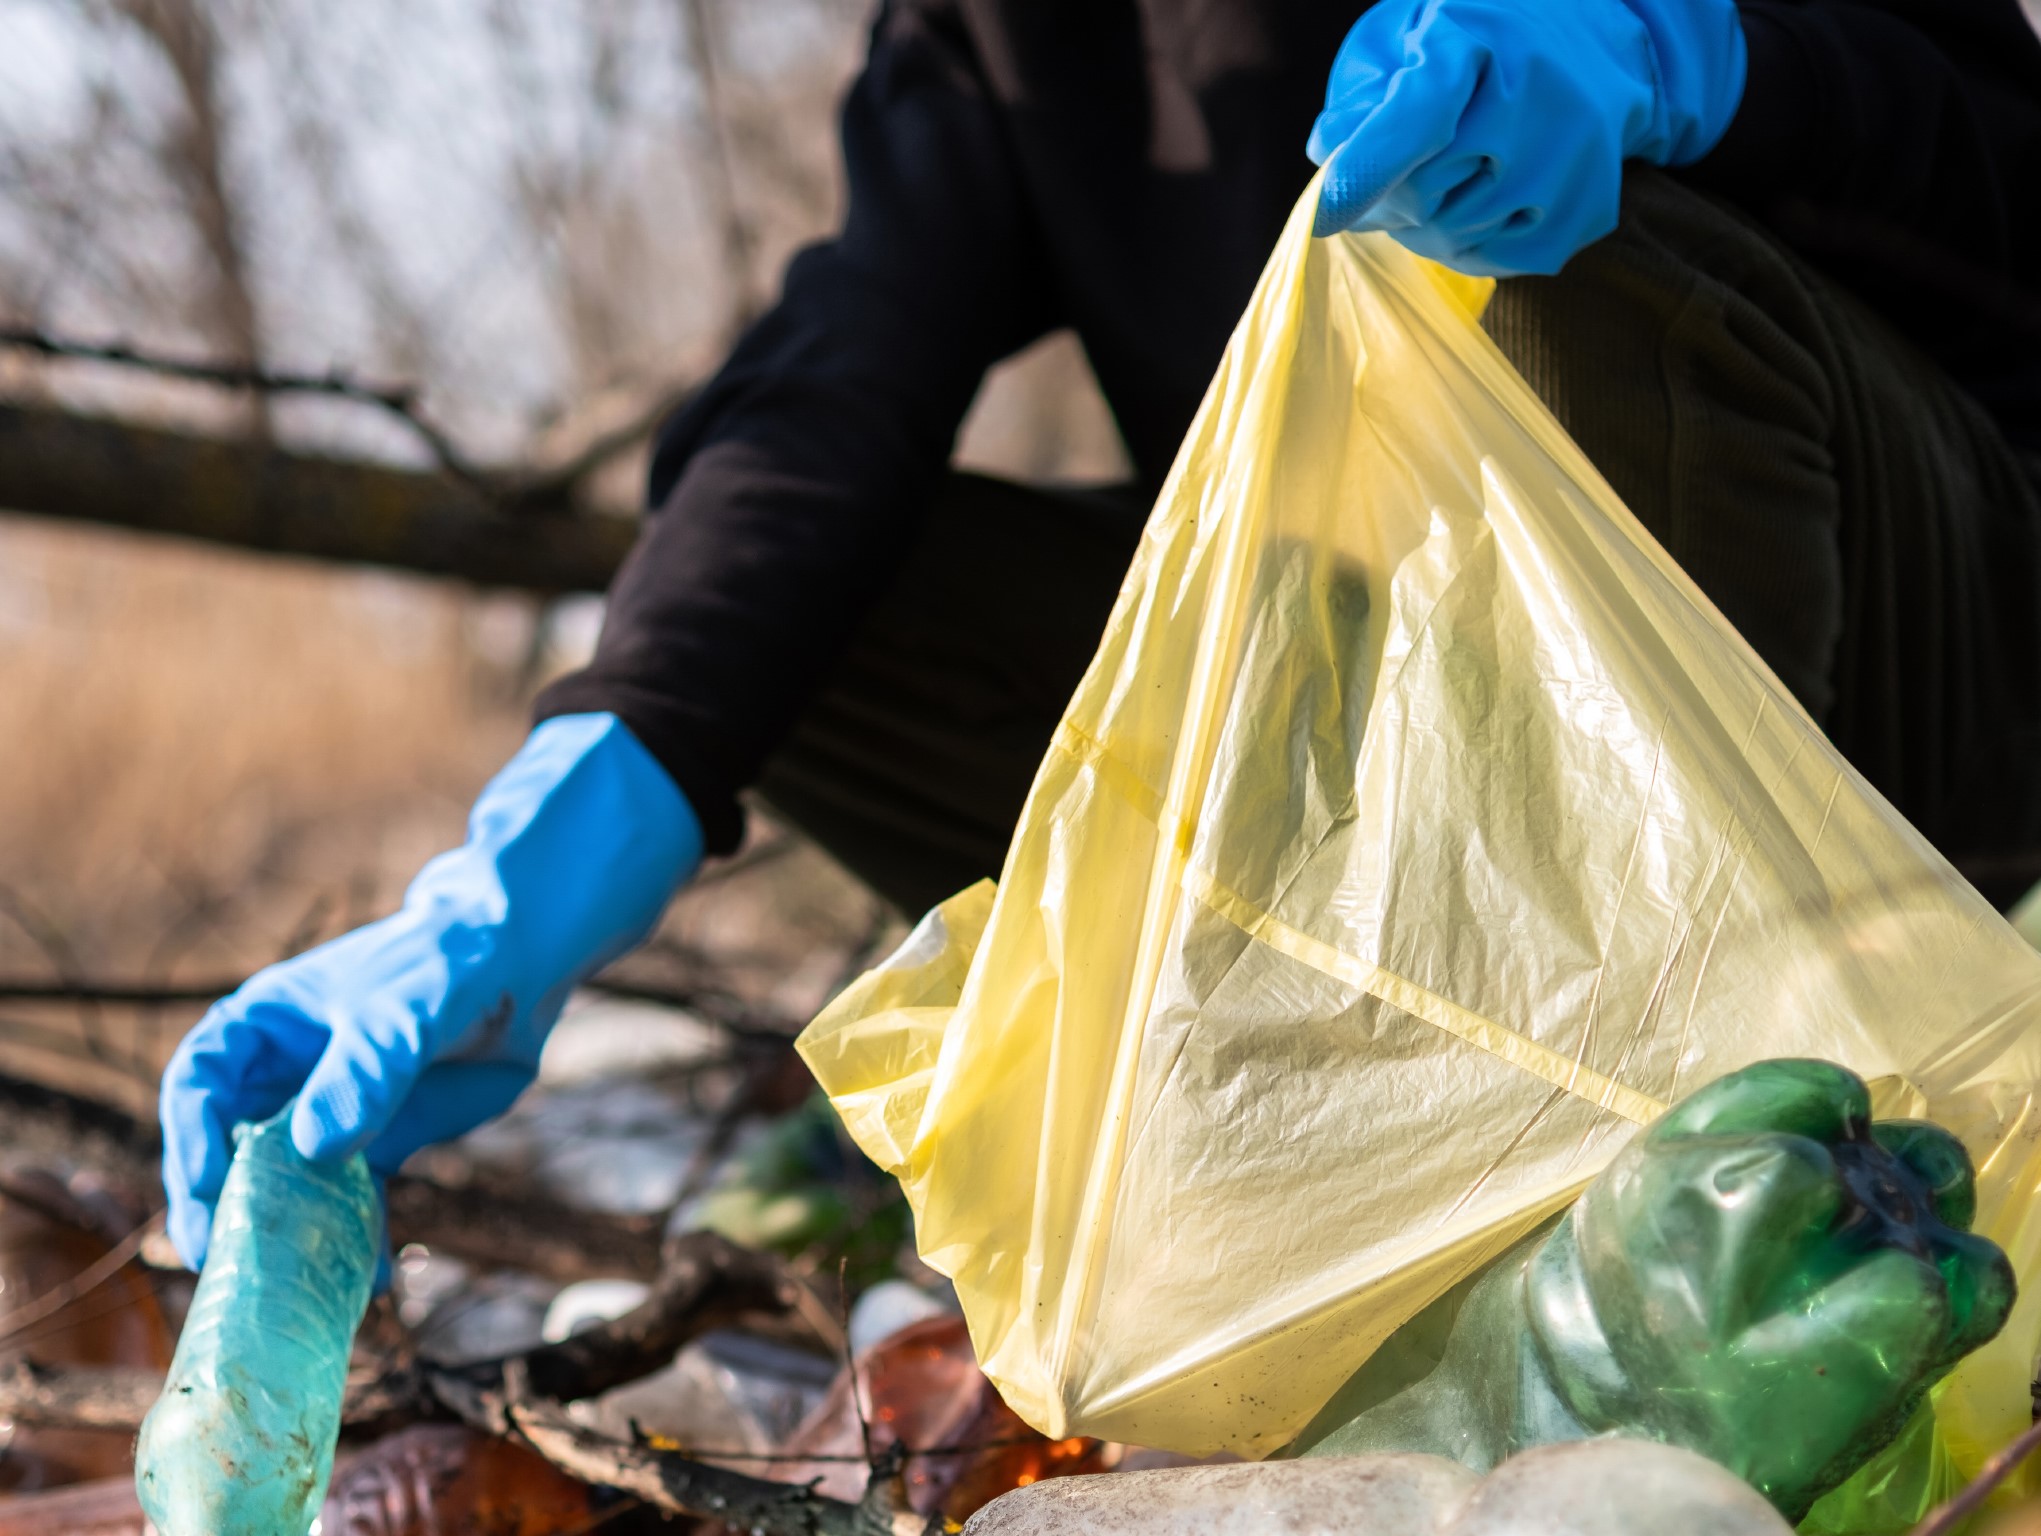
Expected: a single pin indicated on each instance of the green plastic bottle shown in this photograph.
(1765, 1276)
(241, 1441)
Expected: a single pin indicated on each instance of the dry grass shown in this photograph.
(212, 757)
(202, 748)
(193, 728)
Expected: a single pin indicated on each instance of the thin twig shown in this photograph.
(802, 1458)
(38, 1192)
(87, 1280)
(850, 1364)
(80, 1316)
(50, 1041)
(309, 926)
(47, 937)
(678, 1484)
(551, 483)
(139, 994)
(1995, 1471)
(739, 239)
(714, 1147)
(400, 401)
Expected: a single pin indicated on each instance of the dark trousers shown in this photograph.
(1851, 511)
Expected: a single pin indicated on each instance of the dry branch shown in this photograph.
(397, 401)
(194, 159)
(523, 1230)
(705, 1281)
(77, 1397)
(264, 497)
(88, 1279)
(686, 1487)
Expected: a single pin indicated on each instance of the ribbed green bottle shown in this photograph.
(241, 1441)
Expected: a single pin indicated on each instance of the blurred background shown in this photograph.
(331, 341)
(541, 224)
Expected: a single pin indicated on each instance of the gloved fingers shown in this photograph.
(1816, 1099)
(1333, 127)
(362, 1078)
(449, 1100)
(242, 1062)
(1442, 213)
(1538, 224)
(1514, 207)
(1939, 1161)
(1369, 56)
(1416, 121)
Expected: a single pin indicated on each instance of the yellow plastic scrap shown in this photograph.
(1418, 832)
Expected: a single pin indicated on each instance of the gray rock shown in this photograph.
(1393, 1495)
(1607, 1487)
(1613, 1487)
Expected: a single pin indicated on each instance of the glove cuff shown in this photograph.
(1699, 53)
(573, 851)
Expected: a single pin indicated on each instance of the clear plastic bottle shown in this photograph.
(241, 1442)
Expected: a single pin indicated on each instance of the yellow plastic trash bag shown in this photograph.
(1418, 833)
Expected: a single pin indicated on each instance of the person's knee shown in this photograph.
(1688, 357)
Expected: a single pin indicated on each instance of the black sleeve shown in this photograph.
(1912, 123)
(786, 494)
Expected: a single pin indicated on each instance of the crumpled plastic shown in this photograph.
(1419, 832)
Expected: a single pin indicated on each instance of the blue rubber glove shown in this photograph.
(1490, 135)
(419, 1027)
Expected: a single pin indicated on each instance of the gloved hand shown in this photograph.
(1490, 135)
(419, 1027)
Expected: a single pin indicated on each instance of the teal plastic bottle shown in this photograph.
(241, 1441)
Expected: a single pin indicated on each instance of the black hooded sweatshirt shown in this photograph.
(1122, 168)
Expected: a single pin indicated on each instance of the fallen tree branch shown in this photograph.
(400, 401)
(521, 1229)
(262, 497)
(705, 1282)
